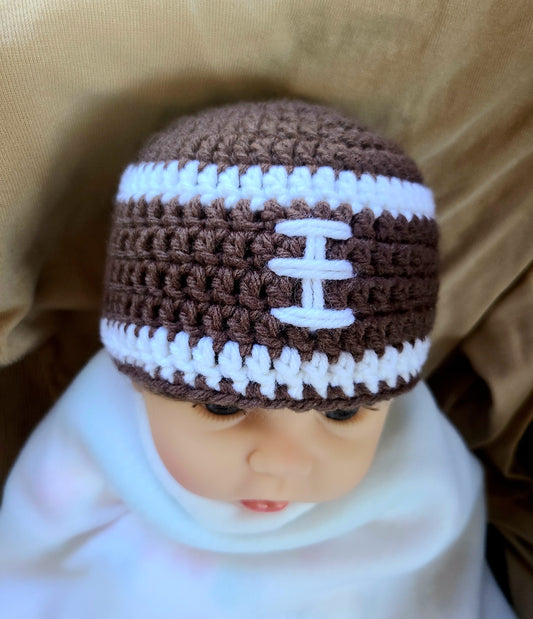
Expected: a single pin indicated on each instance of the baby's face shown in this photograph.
(263, 455)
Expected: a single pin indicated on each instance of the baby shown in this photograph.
(254, 439)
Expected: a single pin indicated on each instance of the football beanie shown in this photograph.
(271, 254)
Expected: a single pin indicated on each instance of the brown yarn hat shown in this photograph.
(273, 254)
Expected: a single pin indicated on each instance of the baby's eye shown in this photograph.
(216, 409)
(342, 415)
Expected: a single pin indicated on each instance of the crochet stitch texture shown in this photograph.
(272, 254)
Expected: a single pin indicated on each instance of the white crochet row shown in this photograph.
(156, 352)
(398, 197)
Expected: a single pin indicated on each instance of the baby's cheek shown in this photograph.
(186, 472)
(201, 467)
(348, 474)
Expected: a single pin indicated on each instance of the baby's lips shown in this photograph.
(265, 506)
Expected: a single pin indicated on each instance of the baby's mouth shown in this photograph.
(265, 506)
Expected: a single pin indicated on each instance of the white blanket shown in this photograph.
(92, 526)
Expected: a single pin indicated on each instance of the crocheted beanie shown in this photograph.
(275, 255)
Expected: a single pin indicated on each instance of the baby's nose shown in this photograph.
(281, 459)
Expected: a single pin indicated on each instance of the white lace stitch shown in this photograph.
(399, 197)
(151, 353)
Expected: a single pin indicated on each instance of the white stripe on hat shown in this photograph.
(398, 197)
(157, 353)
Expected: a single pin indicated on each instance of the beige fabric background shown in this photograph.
(83, 83)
